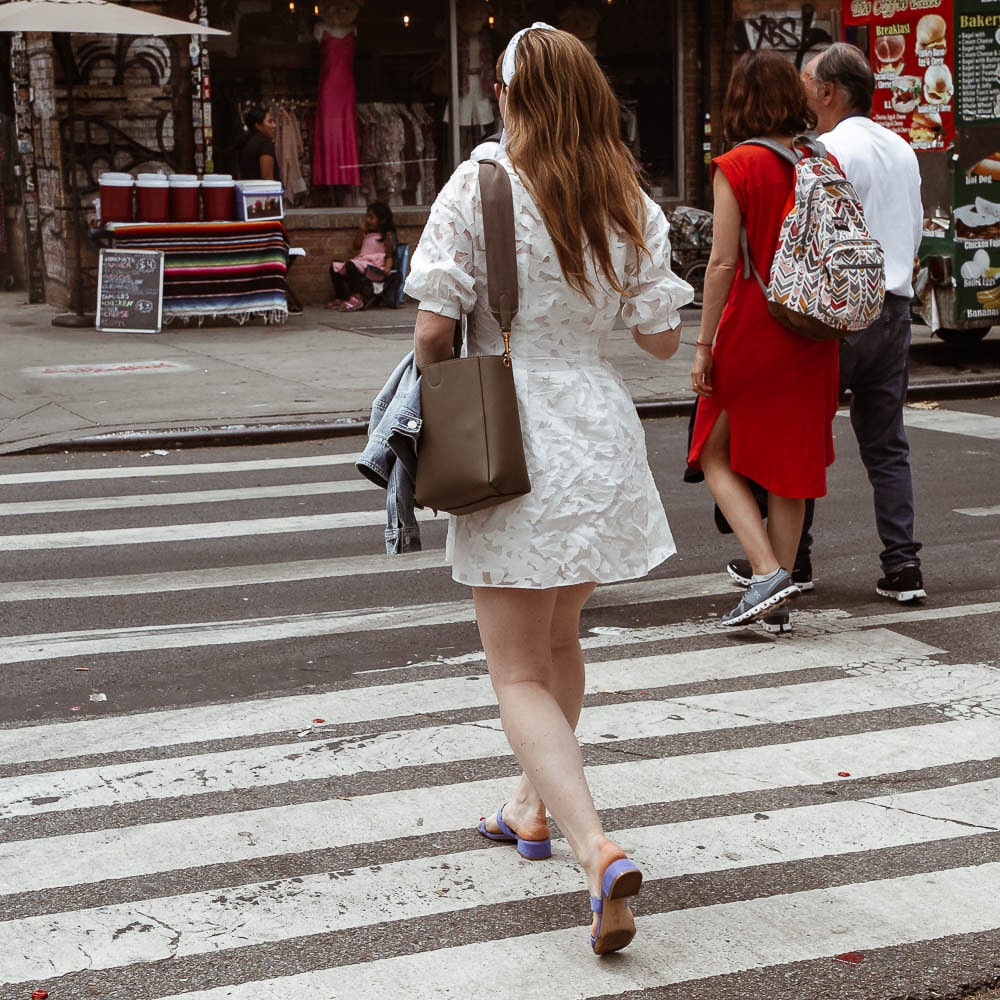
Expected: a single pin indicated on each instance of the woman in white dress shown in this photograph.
(589, 243)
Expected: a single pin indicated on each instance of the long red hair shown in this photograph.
(564, 141)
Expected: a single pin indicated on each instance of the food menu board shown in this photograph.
(130, 291)
(977, 62)
(912, 54)
(976, 199)
(976, 189)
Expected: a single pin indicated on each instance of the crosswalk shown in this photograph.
(831, 793)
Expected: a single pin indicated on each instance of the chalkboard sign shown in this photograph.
(130, 291)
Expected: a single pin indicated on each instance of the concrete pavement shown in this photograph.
(316, 375)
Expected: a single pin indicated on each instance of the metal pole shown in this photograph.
(456, 143)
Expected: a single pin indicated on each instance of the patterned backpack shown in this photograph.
(828, 274)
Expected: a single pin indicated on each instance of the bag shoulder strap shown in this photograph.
(808, 147)
(802, 145)
(748, 265)
(772, 144)
(498, 234)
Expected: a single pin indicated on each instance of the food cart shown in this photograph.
(937, 84)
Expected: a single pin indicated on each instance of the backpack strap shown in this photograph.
(776, 147)
(802, 145)
(808, 147)
(748, 264)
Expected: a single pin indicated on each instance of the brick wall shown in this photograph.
(132, 90)
(327, 235)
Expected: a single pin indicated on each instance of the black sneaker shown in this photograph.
(778, 622)
(903, 584)
(802, 573)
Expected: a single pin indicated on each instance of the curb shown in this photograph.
(276, 433)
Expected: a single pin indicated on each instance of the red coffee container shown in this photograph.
(218, 193)
(152, 198)
(116, 197)
(185, 203)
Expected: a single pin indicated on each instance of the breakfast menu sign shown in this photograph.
(912, 52)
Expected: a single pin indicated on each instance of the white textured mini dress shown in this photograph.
(593, 513)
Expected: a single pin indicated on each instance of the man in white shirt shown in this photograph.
(874, 364)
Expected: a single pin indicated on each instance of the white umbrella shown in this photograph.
(93, 17)
(89, 17)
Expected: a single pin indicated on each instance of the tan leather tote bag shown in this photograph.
(470, 454)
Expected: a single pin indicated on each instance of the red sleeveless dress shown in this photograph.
(335, 144)
(779, 389)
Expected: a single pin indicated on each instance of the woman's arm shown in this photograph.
(661, 345)
(723, 264)
(390, 250)
(266, 162)
(650, 308)
(433, 338)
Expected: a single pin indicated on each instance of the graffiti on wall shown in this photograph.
(97, 146)
(124, 61)
(797, 33)
(133, 125)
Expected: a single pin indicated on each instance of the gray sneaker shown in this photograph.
(739, 571)
(759, 598)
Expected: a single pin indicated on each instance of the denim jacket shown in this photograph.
(389, 458)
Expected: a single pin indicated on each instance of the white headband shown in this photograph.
(507, 67)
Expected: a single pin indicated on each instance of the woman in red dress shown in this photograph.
(767, 396)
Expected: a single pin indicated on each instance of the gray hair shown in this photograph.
(847, 66)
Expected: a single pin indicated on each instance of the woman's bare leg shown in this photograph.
(525, 811)
(732, 493)
(518, 628)
(784, 527)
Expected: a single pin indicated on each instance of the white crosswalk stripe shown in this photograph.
(977, 425)
(699, 943)
(157, 469)
(204, 835)
(200, 922)
(205, 773)
(177, 499)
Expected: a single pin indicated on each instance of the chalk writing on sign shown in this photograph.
(130, 291)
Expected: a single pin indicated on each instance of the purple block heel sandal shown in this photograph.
(533, 850)
(620, 880)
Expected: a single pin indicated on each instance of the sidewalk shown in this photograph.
(314, 376)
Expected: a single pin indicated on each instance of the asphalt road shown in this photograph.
(241, 752)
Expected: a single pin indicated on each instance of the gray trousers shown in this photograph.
(874, 365)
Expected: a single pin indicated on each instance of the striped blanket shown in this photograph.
(235, 270)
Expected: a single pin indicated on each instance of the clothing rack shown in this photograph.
(398, 154)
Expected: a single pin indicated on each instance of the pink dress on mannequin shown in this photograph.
(335, 160)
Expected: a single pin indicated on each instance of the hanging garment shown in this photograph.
(289, 148)
(335, 155)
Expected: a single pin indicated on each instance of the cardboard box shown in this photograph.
(256, 200)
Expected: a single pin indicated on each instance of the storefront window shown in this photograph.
(361, 91)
